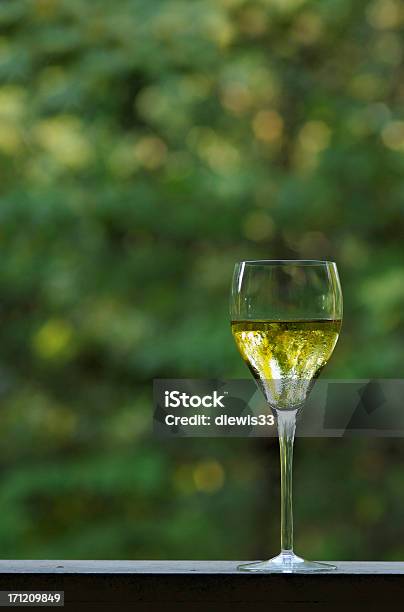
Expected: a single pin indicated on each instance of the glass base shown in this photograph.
(286, 563)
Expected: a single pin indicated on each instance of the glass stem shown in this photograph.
(286, 432)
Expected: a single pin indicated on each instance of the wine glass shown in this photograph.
(286, 317)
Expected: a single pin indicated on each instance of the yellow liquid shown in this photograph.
(284, 356)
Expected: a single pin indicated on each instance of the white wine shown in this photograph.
(286, 356)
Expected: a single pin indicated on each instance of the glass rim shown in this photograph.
(302, 262)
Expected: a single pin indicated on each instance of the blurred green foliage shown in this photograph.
(145, 146)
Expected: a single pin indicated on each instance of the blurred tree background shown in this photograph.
(145, 146)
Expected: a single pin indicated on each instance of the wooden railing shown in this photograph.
(207, 586)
